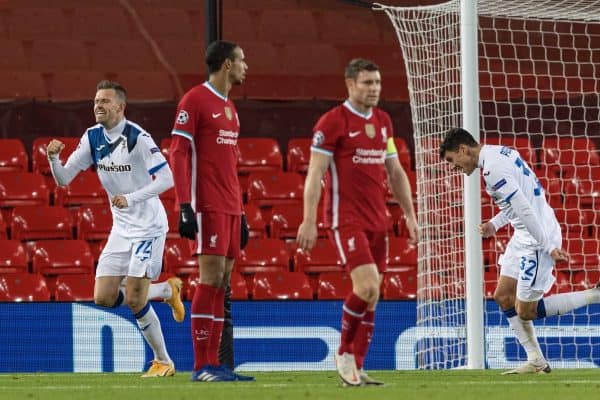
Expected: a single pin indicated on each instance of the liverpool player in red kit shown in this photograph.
(204, 159)
(354, 143)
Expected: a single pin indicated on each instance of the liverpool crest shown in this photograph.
(370, 130)
(228, 113)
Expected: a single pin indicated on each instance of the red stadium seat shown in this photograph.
(240, 26)
(258, 154)
(38, 153)
(298, 154)
(582, 193)
(17, 60)
(403, 153)
(89, 23)
(359, 25)
(272, 188)
(21, 287)
(400, 285)
(151, 85)
(263, 255)
(30, 23)
(185, 55)
(22, 85)
(23, 189)
(256, 223)
(13, 156)
(13, 257)
(59, 55)
(133, 56)
(73, 85)
(402, 255)
(298, 60)
(584, 254)
(239, 290)
(333, 285)
(3, 234)
(286, 218)
(84, 189)
(55, 257)
(78, 287)
(288, 26)
(322, 258)
(178, 257)
(41, 222)
(94, 222)
(282, 285)
(170, 22)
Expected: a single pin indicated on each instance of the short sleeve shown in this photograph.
(326, 133)
(81, 158)
(151, 154)
(185, 120)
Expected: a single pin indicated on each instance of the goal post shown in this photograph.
(526, 74)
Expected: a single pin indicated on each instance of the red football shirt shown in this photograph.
(210, 122)
(355, 186)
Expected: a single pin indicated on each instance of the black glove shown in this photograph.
(188, 226)
(245, 232)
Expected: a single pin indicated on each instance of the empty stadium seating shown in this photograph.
(255, 221)
(94, 222)
(23, 189)
(298, 154)
(286, 218)
(272, 188)
(20, 287)
(178, 257)
(263, 255)
(76, 287)
(84, 189)
(400, 285)
(258, 154)
(402, 254)
(41, 222)
(13, 156)
(282, 285)
(13, 257)
(322, 258)
(38, 153)
(333, 286)
(59, 257)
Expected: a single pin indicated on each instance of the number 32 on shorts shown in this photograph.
(527, 267)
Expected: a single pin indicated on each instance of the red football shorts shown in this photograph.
(357, 247)
(218, 234)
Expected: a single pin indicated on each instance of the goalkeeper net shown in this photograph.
(539, 71)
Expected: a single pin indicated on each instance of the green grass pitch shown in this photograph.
(443, 385)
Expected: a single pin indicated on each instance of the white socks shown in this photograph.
(149, 325)
(525, 332)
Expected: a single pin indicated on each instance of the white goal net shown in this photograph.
(539, 71)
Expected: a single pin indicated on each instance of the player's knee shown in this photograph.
(504, 300)
(526, 313)
(135, 303)
(103, 301)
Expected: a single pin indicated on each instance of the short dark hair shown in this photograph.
(454, 138)
(216, 54)
(118, 88)
(358, 64)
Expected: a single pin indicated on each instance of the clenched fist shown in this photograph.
(54, 148)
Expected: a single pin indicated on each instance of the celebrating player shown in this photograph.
(127, 159)
(204, 157)
(526, 266)
(355, 142)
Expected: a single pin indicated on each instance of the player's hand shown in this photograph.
(559, 255)
(54, 148)
(307, 235)
(188, 227)
(413, 230)
(244, 232)
(119, 201)
(487, 229)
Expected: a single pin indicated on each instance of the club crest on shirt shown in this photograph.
(228, 113)
(370, 130)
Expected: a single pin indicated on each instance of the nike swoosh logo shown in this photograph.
(486, 173)
(354, 134)
(216, 115)
(99, 148)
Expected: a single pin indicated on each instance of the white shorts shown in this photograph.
(531, 267)
(138, 257)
